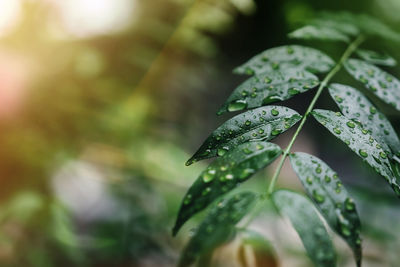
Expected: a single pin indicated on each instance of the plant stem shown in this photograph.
(350, 49)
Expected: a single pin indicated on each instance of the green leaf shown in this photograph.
(360, 141)
(313, 32)
(263, 123)
(367, 25)
(287, 57)
(376, 58)
(354, 105)
(331, 198)
(308, 225)
(344, 27)
(382, 84)
(225, 174)
(267, 88)
(218, 227)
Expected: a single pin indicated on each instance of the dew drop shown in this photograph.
(327, 179)
(247, 123)
(351, 124)
(345, 230)
(363, 153)
(349, 204)
(337, 131)
(222, 151)
(276, 132)
(206, 191)
(318, 198)
(229, 176)
(187, 199)
(318, 170)
(293, 91)
(383, 155)
(237, 105)
(309, 180)
(267, 80)
(338, 99)
(372, 110)
(274, 112)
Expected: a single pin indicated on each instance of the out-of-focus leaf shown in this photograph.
(360, 141)
(354, 105)
(269, 87)
(263, 123)
(218, 227)
(331, 198)
(382, 84)
(287, 57)
(313, 32)
(376, 58)
(224, 174)
(338, 25)
(308, 225)
(259, 247)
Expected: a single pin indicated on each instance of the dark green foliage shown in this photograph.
(287, 57)
(308, 225)
(218, 227)
(324, 187)
(259, 124)
(360, 141)
(224, 174)
(278, 74)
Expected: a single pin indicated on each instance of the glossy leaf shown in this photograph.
(344, 27)
(225, 174)
(218, 227)
(331, 198)
(360, 141)
(264, 89)
(263, 123)
(314, 32)
(382, 84)
(308, 225)
(376, 58)
(287, 57)
(354, 105)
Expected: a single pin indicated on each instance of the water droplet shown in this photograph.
(206, 191)
(187, 199)
(351, 124)
(345, 230)
(362, 79)
(261, 131)
(293, 91)
(363, 153)
(327, 179)
(249, 71)
(372, 110)
(318, 198)
(318, 170)
(229, 176)
(389, 79)
(259, 147)
(358, 241)
(274, 112)
(223, 168)
(275, 65)
(364, 131)
(205, 153)
(209, 176)
(338, 99)
(247, 151)
(222, 151)
(337, 131)
(253, 95)
(267, 80)
(247, 123)
(349, 204)
(237, 105)
(309, 180)
(383, 155)
(276, 132)
(290, 50)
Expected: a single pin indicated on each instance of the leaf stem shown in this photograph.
(350, 49)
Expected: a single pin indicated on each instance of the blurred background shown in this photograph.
(103, 101)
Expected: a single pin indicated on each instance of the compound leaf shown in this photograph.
(354, 105)
(314, 32)
(376, 58)
(263, 123)
(308, 225)
(382, 84)
(267, 88)
(360, 141)
(287, 57)
(218, 227)
(331, 198)
(224, 174)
